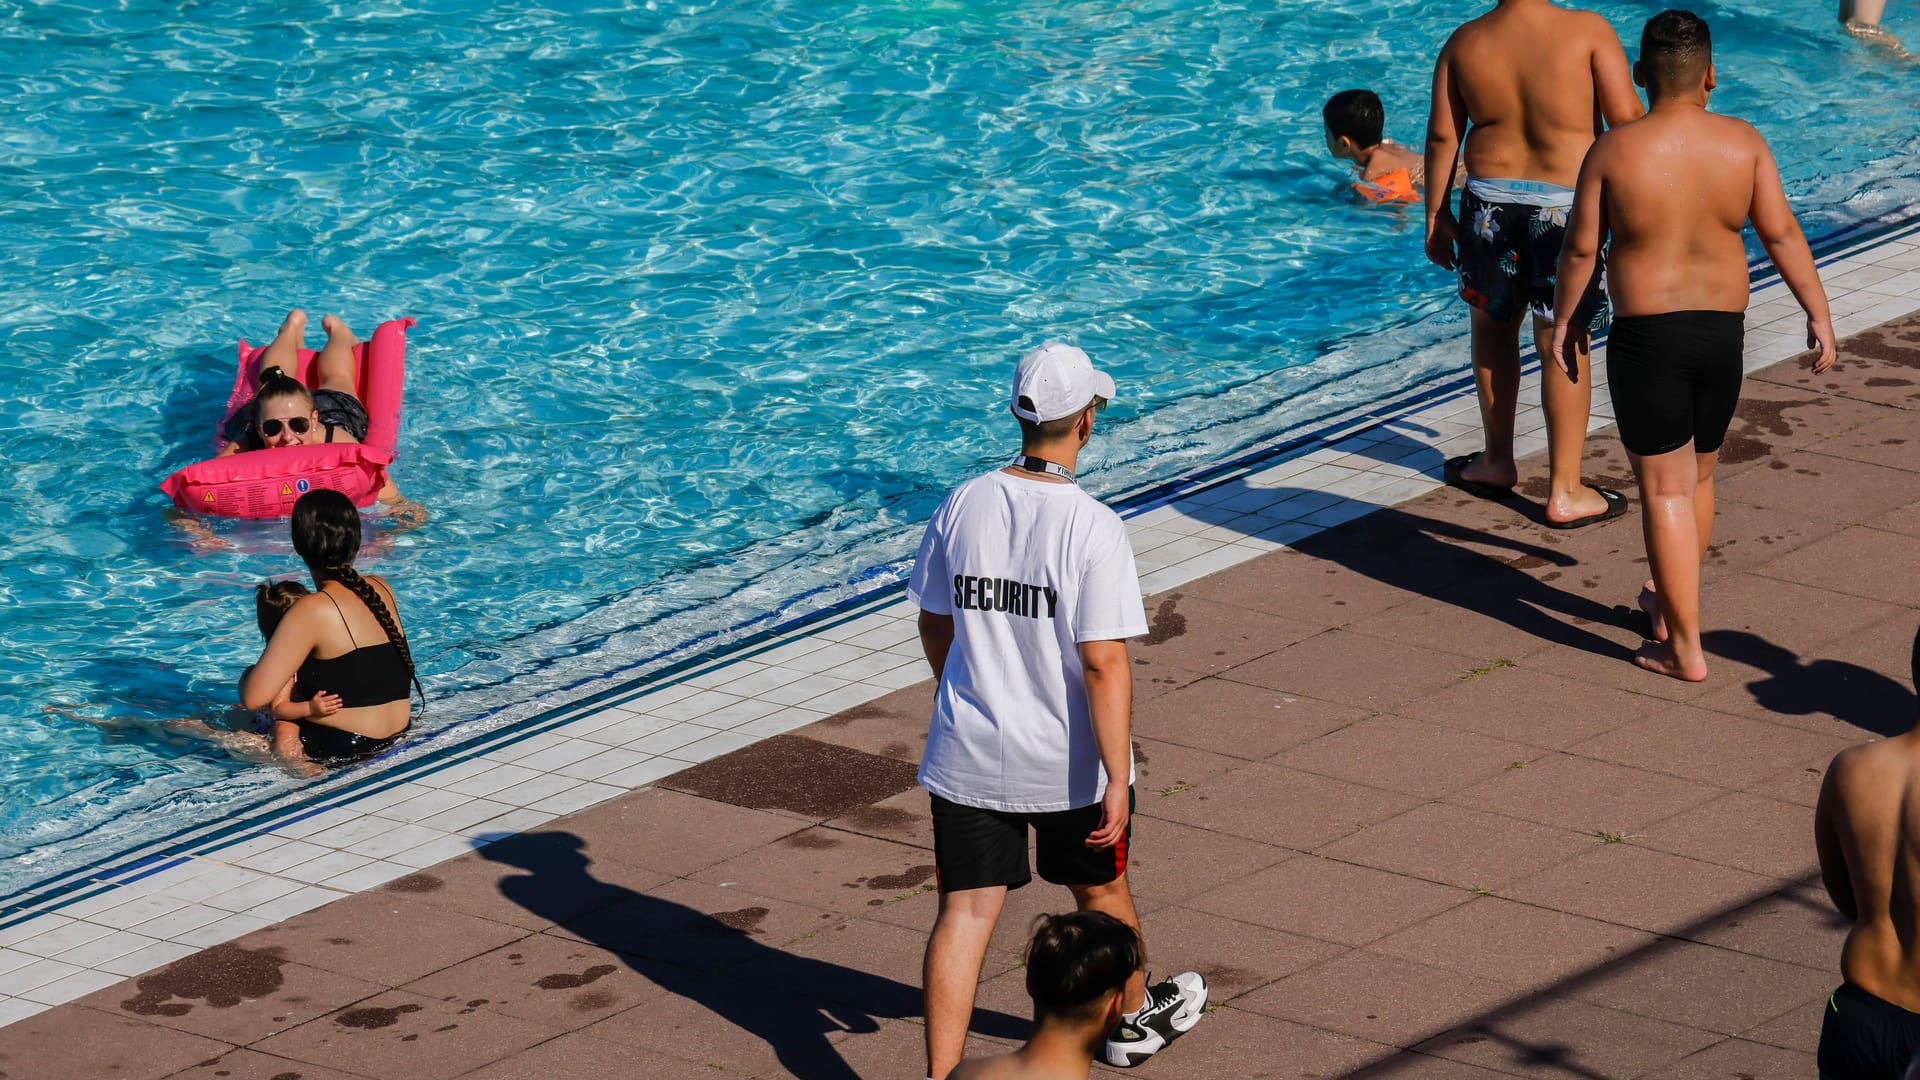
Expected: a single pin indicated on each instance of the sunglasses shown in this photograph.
(298, 425)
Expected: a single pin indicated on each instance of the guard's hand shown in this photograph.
(1113, 818)
(1820, 336)
(1442, 239)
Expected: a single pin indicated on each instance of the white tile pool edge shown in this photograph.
(317, 848)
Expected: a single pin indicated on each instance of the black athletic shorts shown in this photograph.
(978, 849)
(1675, 378)
(1865, 1038)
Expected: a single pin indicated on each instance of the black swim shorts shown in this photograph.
(1675, 378)
(974, 848)
(337, 746)
(1865, 1038)
(1509, 254)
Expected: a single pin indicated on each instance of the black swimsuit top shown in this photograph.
(369, 675)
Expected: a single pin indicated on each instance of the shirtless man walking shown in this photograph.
(1534, 81)
(1674, 190)
(1867, 831)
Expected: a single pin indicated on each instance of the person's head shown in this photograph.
(326, 530)
(283, 412)
(1056, 393)
(272, 601)
(1078, 965)
(1354, 121)
(1676, 56)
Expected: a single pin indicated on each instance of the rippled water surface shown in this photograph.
(714, 301)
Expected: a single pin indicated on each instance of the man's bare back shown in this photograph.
(1867, 830)
(1511, 73)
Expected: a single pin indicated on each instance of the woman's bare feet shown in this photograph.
(283, 351)
(1659, 657)
(1650, 603)
(336, 328)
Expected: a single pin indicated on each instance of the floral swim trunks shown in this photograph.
(1509, 249)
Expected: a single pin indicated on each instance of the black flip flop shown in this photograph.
(1451, 473)
(1616, 505)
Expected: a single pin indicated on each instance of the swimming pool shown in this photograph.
(715, 301)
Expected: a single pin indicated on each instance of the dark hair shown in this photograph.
(1675, 49)
(271, 602)
(1076, 959)
(1355, 115)
(326, 533)
(275, 383)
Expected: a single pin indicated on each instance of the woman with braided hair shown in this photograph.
(344, 638)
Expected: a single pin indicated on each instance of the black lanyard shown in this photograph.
(1042, 465)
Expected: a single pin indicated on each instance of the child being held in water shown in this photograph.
(1388, 171)
(271, 602)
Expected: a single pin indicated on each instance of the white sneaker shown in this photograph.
(1171, 1009)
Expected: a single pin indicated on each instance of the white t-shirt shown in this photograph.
(1028, 569)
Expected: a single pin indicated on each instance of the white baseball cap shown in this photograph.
(1056, 380)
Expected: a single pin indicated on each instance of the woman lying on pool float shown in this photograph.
(343, 639)
(285, 413)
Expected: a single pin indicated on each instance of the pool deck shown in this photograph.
(1402, 799)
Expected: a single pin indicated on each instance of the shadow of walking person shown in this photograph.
(1847, 692)
(793, 1003)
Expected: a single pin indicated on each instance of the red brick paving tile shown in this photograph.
(575, 1056)
(1745, 537)
(1686, 983)
(1398, 754)
(1825, 488)
(1904, 520)
(1206, 636)
(556, 982)
(470, 884)
(1856, 561)
(1234, 956)
(1298, 587)
(1464, 618)
(1170, 861)
(1329, 900)
(72, 1043)
(1756, 625)
(1759, 835)
(696, 925)
(1354, 669)
(1523, 705)
(826, 868)
(1232, 1042)
(1615, 670)
(1701, 745)
(852, 961)
(1636, 886)
(1457, 846)
(233, 994)
(1889, 442)
(1380, 998)
(1411, 1065)
(1548, 1036)
(1237, 719)
(674, 833)
(724, 1024)
(405, 1036)
(892, 726)
(1738, 1059)
(1786, 408)
(253, 1065)
(1799, 1027)
(906, 818)
(1158, 765)
(1318, 810)
(916, 913)
(1798, 784)
(1851, 687)
(1514, 944)
(1873, 367)
(1796, 925)
(1584, 795)
(1155, 678)
(382, 937)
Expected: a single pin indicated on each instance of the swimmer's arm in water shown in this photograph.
(1579, 257)
(1779, 233)
(410, 514)
(1826, 842)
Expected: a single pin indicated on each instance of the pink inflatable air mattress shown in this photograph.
(265, 483)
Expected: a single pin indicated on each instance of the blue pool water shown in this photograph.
(715, 299)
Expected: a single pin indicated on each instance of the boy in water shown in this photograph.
(1389, 172)
(1534, 81)
(1077, 968)
(1867, 831)
(1674, 190)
